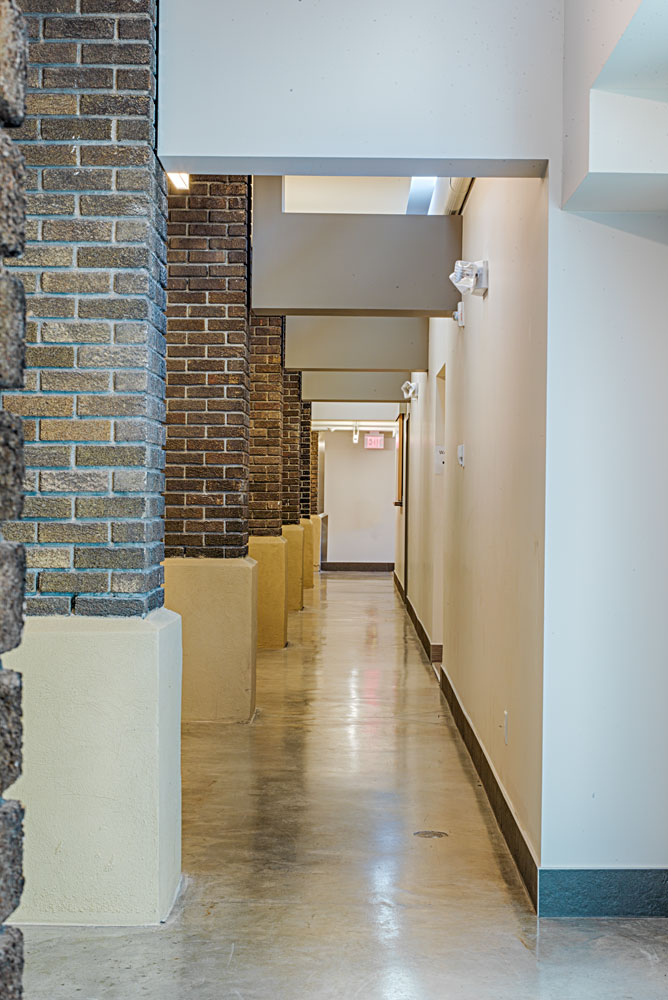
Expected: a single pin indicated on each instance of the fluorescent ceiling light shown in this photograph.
(419, 198)
(180, 181)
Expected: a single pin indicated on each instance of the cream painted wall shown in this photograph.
(605, 636)
(417, 581)
(101, 779)
(359, 499)
(495, 505)
(427, 490)
(399, 535)
(366, 195)
(354, 411)
(488, 518)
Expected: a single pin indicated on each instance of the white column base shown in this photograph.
(101, 769)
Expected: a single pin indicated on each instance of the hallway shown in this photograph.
(305, 876)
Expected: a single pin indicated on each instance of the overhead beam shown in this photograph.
(354, 387)
(355, 265)
(356, 343)
(485, 110)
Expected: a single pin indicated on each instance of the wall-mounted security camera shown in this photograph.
(471, 276)
(410, 390)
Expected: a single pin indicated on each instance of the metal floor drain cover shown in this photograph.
(429, 833)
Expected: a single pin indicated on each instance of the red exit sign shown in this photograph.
(374, 441)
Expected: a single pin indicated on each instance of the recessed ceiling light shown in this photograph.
(180, 181)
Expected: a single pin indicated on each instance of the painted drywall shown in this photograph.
(364, 264)
(494, 507)
(592, 29)
(359, 499)
(354, 387)
(356, 343)
(101, 776)
(400, 511)
(217, 601)
(294, 536)
(271, 556)
(502, 92)
(606, 629)
(427, 488)
(352, 195)
(354, 411)
(388, 86)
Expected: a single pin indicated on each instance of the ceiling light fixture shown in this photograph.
(180, 181)
(471, 276)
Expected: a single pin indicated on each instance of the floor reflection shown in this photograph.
(305, 878)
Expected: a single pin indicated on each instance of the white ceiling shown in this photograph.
(346, 195)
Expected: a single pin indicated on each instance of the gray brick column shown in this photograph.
(315, 444)
(305, 460)
(210, 580)
(266, 425)
(208, 370)
(13, 49)
(291, 451)
(95, 271)
(92, 406)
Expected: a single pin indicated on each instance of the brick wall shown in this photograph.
(13, 48)
(208, 369)
(315, 497)
(305, 460)
(291, 449)
(94, 270)
(266, 425)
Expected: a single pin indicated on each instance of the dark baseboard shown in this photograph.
(357, 567)
(603, 892)
(563, 892)
(421, 631)
(433, 650)
(512, 834)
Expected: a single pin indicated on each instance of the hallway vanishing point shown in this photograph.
(312, 865)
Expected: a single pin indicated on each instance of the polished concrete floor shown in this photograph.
(306, 876)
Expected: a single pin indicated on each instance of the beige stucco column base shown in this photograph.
(217, 601)
(270, 554)
(316, 521)
(294, 536)
(101, 777)
(307, 524)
